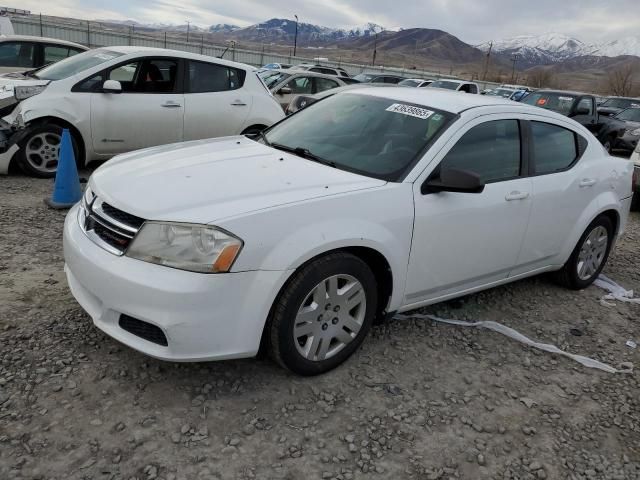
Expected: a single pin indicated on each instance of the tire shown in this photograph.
(589, 257)
(635, 202)
(310, 329)
(38, 154)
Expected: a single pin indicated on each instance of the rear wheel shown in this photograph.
(590, 255)
(323, 314)
(40, 149)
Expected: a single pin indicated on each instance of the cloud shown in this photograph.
(472, 21)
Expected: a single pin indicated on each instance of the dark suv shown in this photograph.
(614, 105)
(621, 131)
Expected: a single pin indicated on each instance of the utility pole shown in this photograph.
(514, 59)
(41, 25)
(375, 49)
(188, 28)
(295, 38)
(486, 62)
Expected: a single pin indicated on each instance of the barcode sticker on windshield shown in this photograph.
(566, 99)
(410, 110)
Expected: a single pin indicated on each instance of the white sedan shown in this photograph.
(366, 203)
(118, 99)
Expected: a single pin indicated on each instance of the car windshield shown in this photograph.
(409, 83)
(76, 64)
(271, 78)
(501, 92)
(558, 101)
(629, 115)
(445, 84)
(364, 77)
(369, 135)
(621, 103)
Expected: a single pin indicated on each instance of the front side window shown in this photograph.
(323, 84)
(16, 54)
(491, 150)
(146, 76)
(373, 136)
(77, 64)
(300, 85)
(210, 77)
(586, 104)
(554, 147)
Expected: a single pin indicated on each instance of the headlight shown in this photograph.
(27, 91)
(635, 133)
(197, 248)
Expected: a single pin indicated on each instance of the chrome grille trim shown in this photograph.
(92, 215)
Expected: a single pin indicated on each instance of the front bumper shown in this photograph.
(9, 138)
(203, 316)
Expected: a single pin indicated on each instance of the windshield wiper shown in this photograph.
(303, 153)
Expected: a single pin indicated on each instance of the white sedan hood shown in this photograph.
(210, 180)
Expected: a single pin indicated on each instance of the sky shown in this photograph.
(473, 21)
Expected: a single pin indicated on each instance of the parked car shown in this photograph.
(367, 203)
(581, 107)
(621, 132)
(415, 82)
(635, 159)
(334, 71)
(378, 78)
(458, 85)
(501, 92)
(600, 100)
(302, 101)
(613, 105)
(516, 87)
(286, 85)
(118, 99)
(276, 66)
(21, 52)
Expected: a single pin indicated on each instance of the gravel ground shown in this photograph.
(419, 400)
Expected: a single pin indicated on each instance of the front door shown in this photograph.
(148, 112)
(465, 240)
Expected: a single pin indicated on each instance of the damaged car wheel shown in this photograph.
(40, 149)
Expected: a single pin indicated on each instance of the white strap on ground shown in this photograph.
(510, 332)
(616, 292)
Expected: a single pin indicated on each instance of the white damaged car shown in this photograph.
(119, 99)
(366, 203)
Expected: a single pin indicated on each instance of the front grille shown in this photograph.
(109, 227)
(144, 330)
(124, 217)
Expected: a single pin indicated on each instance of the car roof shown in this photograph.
(31, 38)
(441, 99)
(568, 92)
(165, 52)
(454, 80)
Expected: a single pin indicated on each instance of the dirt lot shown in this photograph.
(420, 400)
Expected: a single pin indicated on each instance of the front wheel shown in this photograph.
(323, 314)
(590, 255)
(40, 150)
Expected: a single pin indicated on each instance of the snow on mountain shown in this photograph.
(556, 47)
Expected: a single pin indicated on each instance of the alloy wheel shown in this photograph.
(42, 151)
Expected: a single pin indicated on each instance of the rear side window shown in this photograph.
(17, 54)
(491, 150)
(210, 77)
(555, 148)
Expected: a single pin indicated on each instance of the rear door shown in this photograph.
(216, 104)
(148, 112)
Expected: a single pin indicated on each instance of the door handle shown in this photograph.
(587, 182)
(171, 105)
(238, 103)
(516, 195)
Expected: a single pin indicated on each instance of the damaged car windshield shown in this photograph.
(374, 136)
(76, 64)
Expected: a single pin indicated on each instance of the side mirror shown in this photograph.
(285, 91)
(581, 111)
(454, 180)
(111, 86)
